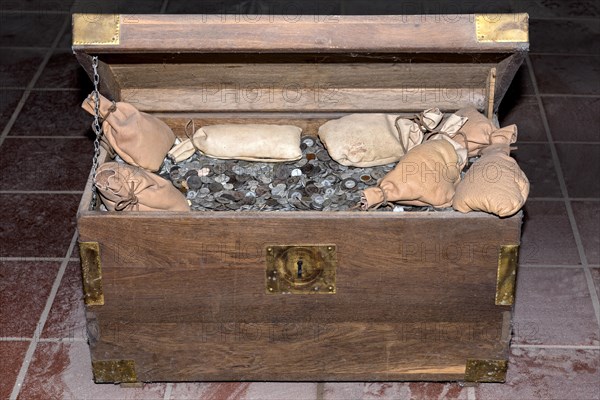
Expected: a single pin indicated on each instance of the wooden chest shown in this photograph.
(174, 296)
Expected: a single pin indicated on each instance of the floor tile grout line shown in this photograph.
(163, 7)
(41, 191)
(47, 137)
(570, 266)
(566, 95)
(320, 389)
(587, 19)
(168, 391)
(33, 81)
(590, 142)
(36, 259)
(533, 53)
(565, 192)
(63, 340)
(42, 89)
(36, 48)
(42, 340)
(471, 394)
(589, 199)
(42, 321)
(555, 346)
(53, 12)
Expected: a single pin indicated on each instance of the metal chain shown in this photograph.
(97, 130)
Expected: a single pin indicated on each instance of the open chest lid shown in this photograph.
(303, 64)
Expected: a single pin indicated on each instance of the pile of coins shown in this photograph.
(315, 182)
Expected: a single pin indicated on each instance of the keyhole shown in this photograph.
(299, 263)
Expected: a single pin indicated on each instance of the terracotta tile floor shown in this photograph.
(44, 143)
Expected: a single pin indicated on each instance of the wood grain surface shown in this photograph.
(415, 295)
(185, 293)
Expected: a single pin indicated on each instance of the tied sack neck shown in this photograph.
(129, 201)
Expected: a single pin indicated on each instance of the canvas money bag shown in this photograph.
(140, 139)
(478, 132)
(367, 140)
(425, 176)
(124, 187)
(494, 184)
(250, 142)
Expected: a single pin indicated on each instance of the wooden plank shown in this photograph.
(298, 352)
(437, 269)
(408, 99)
(280, 33)
(294, 74)
(302, 87)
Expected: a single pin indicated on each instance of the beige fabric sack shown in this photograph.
(494, 184)
(479, 132)
(425, 176)
(250, 142)
(138, 138)
(367, 140)
(447, 131)
(124, 187)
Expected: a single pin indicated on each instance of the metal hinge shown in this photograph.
(91, 273)
(507, 275)
(114, 371)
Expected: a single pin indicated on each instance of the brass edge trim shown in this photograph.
(96, 29)
(114, 371)
(486, 371)
(507, 274)
(91, 273)
(502, 28)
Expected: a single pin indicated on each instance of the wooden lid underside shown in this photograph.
(214, 64)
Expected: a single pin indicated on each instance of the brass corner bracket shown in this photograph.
(91, 273)
(99, 29)
(487, 371)
(507, 275)
(499, 28)
(114, 371)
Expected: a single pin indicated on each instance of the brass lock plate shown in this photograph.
(301, 269)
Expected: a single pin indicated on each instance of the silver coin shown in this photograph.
(301, 162)
(222, 200)
(377, 174)
(349, 183)
(281, 171)
(296, 196)
(194, 182)
(215, 187)
(308, 142)
(322, 155)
